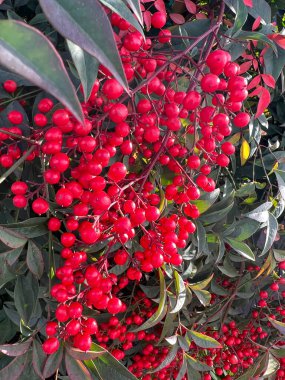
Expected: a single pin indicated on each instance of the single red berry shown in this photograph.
(158, 20)
(10, 86)
(51, 345)
(40, 206)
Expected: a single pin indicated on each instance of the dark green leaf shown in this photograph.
(241, 17)
(35, 259)
(29, 53)
(86, 65)
(180, 291)
(196, 364)
(256, 36)
(244, 229)
(241, 248)
(202, 340)
(203, 296)
(215, 216)
(86, 355)
(201, 237)
(39, 358)
(76, 21)
(278, 352)
(14, 369)
(31, 228)
(122, 10)
(168, 326)
(272, 229)
(11, 239)
(53, 362)
(76, 369)
(206, 200)
(26, 294)
(161, 311)
(136, 8)
(169, 358)
(13, 255)
(16, 349)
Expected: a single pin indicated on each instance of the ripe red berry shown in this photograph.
(241, 120)
(158, 20)
(10, 86)
(64, 197)
(51, 328)
(51, 345)
(15, 117)
(19, 188)
(112, 89)
(82, 341)
(117, 171)
(210, 82)
(20, 201)
(40, 206)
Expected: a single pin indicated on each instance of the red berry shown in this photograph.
(51, 345)
(82, 341)
(10, 86)
(158, 20)
(112, 89)
(40, 206)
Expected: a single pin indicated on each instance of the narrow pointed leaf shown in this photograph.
(27, 52)
(86, 66)
(136, 8)
(85, 23)
(161, 311)
(180, 292)
(122, 10)
(280, 326)
(203, 341)
(12, 239)
(35, 259)
(14, 370)
(169, 358)
(16, 349)
(241, 248)
(76, 369)
(272, 228)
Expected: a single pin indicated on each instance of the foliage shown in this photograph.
(104, 221)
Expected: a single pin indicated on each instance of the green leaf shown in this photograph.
(35, 259)
(31, 228)
(11, 239)
(272, 228)
(161, 310)
(26, 294)
(13, 255)
(206, 200)
(241, 248)
(52, 363)
(202, 340)
(39, 358)
(203, 296)
(76, 21)
(260, 214)
(168, 326)
(201, 237)
(180, 291)
(86, 66)
(76, 369)
(122, 10)
(196, 364)
(280, 326)
(26, 51)
(281, 184)
(201, 284)
(136, 8)
(256, 36)
(279, 254)
(274, 64)
(241, 17)
(107, 367)
(86, 355)
(15, 368)
(272, 366)
(244, 229)
(169, 358)
(215, 216)
(278, 352)
(16, 349)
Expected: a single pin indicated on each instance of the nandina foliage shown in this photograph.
(141, 218)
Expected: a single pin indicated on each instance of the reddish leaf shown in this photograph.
(248, 3)
(255, 64)
(191, 7)
(244, 67)
(147, 19)
(201, 16)
(280, 41)
(160, 6)
(177, 18)
(255, 81)
(268, 80)
(256, 23)
(256, 92)
(264, 100)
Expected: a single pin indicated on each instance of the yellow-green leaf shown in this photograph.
(244, 151)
